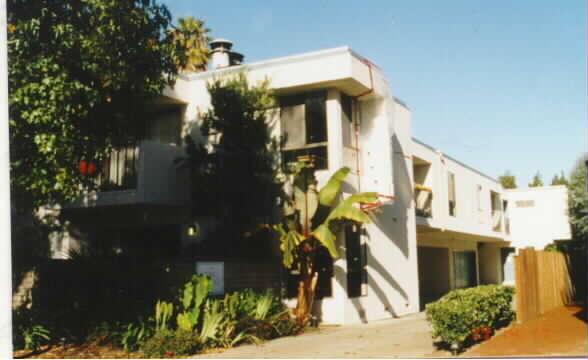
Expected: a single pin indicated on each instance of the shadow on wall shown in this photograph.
(393, 218)
(392, 221)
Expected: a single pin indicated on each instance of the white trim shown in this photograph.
(271, 62)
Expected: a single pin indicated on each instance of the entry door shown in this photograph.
(465, 269)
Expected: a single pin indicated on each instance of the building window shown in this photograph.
(347, 120)
(525, 203)
(465, 269)
(451, 193)
(165, 125)
(356, 251)
(303, 120)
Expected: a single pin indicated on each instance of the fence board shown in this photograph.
(542, 281)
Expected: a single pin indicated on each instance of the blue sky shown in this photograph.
(498, 85)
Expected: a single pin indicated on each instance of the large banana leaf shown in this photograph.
(345, 210)
(330, 192)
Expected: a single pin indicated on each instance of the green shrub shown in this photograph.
(167, 343)
(134, 335)
(469, 315)
(29, 334)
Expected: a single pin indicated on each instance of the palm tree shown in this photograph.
(192, 37)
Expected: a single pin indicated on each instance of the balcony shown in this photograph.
(144, 174)
(423, 199)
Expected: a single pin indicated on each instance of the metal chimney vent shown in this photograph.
(221, 55)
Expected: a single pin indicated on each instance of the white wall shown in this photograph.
(385, 166)
(471, 217)
(538, 215)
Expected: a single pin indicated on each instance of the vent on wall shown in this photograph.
(525, 203)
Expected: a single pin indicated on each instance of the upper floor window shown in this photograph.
(303, 120)
(451, 193)
(347, 120)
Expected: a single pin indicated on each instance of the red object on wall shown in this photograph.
(91, 168)
(83, 167)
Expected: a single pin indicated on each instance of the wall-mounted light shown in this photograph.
(193, 230)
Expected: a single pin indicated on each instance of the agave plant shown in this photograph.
(313, 218)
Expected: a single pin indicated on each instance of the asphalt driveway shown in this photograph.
(408, 336)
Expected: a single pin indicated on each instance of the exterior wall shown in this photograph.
(385, 166)
(473, 212)
(490, 266)
(544, 221)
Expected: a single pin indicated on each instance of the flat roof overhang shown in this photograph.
(339, 68)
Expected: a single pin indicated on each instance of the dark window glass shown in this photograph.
(346, 119)
(303, 121)
(356, 262)
(464, 264)
(316, 118)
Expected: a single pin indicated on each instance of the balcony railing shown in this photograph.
(423, 199)
(119, 170)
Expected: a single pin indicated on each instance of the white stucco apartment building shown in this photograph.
(445, 229)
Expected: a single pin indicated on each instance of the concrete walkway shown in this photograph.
(409, 336)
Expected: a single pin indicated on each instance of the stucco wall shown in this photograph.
(538, 216)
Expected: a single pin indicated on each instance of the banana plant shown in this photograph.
(312, 219)
(192, 297)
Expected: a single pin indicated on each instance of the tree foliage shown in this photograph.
(192, 36)
(79, 72)
(235, 175)
(537, 181)
(559, 180)
(508, 180)
(578, 199)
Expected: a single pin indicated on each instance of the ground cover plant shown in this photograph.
(197, 321)
(191, 323)
(464, 317)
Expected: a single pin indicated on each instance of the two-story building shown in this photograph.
(446, 227)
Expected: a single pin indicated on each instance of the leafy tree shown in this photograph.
(313, 219)
(537, 181)
(191, 36)
(236, 175)
(578, 199)
(559, 180)
(508, 180)
(79, 72)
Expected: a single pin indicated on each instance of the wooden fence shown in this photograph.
(542, 283)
